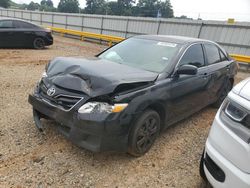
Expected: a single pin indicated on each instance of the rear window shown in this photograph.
(6, 24)
(20, 24)
(213, 55)
(222, 56)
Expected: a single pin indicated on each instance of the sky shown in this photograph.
(204, 9)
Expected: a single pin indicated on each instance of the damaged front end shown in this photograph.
(80, 95)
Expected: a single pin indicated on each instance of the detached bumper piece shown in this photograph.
(214, 169)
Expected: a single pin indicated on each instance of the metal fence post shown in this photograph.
(52, 19)
(41, 19)
(158, 27)
(82, 22)
(102, 25)
(66, 27)
(126, 30)
(199, 34)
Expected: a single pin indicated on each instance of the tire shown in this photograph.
(225, 90)
(144, 133)
(38, 43)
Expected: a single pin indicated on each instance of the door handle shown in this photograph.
(204, 76)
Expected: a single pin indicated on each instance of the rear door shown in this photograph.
(24, 33)
(218, 67)
(6, 33)
(189, 92)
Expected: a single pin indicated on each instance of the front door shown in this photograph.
(189, 92)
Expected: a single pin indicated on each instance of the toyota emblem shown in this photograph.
(51, 91)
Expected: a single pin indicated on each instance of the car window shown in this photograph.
(213, 55)
(222, 56)
(6, 24)
(193, 56)
(20, 24)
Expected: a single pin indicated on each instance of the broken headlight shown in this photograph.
(44, 74)
(101, 107)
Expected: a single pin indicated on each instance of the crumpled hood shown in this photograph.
(243, 89)
(94, 76)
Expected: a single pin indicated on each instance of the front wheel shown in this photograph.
(38, 43)
(144, 133)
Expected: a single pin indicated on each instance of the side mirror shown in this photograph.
(187, 69)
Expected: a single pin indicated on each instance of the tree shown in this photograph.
(5, 3)
(165, 8)
(69, 6)
(33, 6)
(96, 7)
(152, 8)
(47, 5)
(125, 7)
(112, 8)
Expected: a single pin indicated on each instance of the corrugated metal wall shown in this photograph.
(235, 38)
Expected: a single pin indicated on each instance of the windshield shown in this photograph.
(145, 54)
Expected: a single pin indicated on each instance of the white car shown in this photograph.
(226, 159)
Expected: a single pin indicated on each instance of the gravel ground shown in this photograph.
(31, 159)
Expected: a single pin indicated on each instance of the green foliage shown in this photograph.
(47, 5)
(144, 8)
(152, 8)
(95, 7)
(4, 3)
(70, 6)
(33, 6)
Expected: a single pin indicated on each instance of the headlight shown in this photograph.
(235, 112)
(101, 107)
(44, 74)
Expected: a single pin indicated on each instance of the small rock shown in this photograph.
(29, 181)
(38, 159)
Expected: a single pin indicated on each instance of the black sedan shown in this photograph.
(124, 97)
(18, 33)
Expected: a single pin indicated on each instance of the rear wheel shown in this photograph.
(225, 90)
(38, 43)
(144, 133)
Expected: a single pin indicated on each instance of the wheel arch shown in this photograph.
(153, 105)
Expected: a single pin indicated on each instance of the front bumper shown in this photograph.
(234, 177)
(226, 158)
(102, 133)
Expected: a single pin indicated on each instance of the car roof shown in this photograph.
(16, 19)
(172, 38)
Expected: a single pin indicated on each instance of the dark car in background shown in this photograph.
(124, 97)
(19, 33)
